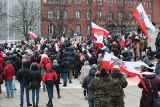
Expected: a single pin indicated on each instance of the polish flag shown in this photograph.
(111, 62)
(56, 47)
(99, 33)
(62, 40)
(143, 20)
(89, 55)
(32, 35)
(122, 41)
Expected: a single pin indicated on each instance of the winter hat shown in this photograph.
(55, 62)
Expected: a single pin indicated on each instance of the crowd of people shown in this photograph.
(45, 63)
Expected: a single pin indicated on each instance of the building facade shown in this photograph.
(75, 16)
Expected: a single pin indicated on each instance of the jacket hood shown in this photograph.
(93, 70)
(48, 66)
(9, 66)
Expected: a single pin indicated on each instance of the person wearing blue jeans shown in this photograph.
(9, 88)
(50, 92)
(91, 103)
(26, 87)
(22, 77)
(65, 77)
(35, 91)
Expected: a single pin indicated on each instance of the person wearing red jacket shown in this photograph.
(9, 72)
(48, 78)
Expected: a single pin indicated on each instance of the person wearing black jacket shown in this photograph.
(56, 68)
(35, 79)
(22, 77)
(65, 71)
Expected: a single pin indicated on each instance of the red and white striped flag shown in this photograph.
(111, 62)
(99, 33)
(143, 20)
(62, 40)
(32, 35)
(56, 47)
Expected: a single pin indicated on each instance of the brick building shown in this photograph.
(72, 16)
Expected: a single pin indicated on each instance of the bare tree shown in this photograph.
(26, 16)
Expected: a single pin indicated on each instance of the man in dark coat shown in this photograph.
(146, 98)
(22, 77)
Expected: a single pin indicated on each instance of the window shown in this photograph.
(149, 4)
(50, 14)
(88, 15)
(99, 2)
(65, 13)
(130, 3)
(88, 2)
(78, 14)
(78, 29)
(51, 29)
(88, 29)
(110, 16)
(77, 1)
(49, 1)
(57, 14)
(120, 16)
(120, 2)
(130, 16)
(110, 2)
(99, 14)
(149, 16)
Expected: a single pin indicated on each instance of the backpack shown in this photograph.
(157, 70)
(156, 97)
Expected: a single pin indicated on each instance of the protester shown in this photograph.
(84, 72)
(22, 77)
(65, 70)
(117, 96)
(56, 68)
(102, 89)
(48, 78)
(150, 79)
(86, 81)
(35, 78)
(1, 80)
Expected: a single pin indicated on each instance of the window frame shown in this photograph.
(77, 14)
(50, 14)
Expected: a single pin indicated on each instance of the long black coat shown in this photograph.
(146, 99)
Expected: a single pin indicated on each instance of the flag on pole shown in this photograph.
(56, 47)
(99, 30)
(99, 33)
(143, 20)
(111, 62)
(32, 35)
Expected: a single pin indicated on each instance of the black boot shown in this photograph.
(50, 104)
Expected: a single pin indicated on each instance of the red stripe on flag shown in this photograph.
(99, 32)
(142, 24)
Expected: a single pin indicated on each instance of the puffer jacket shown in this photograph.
(1, 62)
(146, 98)
(49, 76)
(9, 72)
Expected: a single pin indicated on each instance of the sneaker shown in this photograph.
(64, 85)
(59, 97)
(21, 105)
(50, 105)
(29, 105)
(12, 96)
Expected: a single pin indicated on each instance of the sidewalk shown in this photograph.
(71, 96)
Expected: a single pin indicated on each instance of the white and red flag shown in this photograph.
(99, 33)
(143, 20)
(32, 35)
(56, 47)
(111, 62)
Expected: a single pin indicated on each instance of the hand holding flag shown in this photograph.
(32, 35)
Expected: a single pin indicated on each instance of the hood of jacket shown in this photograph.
(93, 70)
(48, 66)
